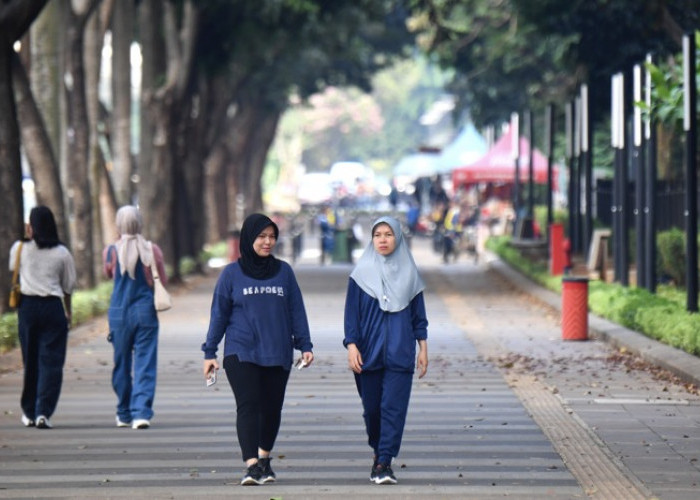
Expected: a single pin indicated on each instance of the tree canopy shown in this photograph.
(514, 54)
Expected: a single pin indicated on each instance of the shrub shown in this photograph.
(8, 331)
(661, 316)
(671, 251)
(86, 304)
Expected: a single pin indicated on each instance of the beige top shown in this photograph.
(44, 272)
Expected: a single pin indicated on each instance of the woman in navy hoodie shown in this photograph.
(258, 307)
(384, 320)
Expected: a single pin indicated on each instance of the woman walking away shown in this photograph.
(133, 320)
(46, 275)
(258, 307)
(384, 320)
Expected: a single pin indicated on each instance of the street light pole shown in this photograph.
(691, 182)
(650, 185)
(587, 166)
(515, 154)
(548, 140)
(639, 188)
(530, 167)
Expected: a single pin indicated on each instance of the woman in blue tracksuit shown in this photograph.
(384, 320)
(258, 308)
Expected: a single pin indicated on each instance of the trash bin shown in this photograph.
(340, 246)
(556, 249)
(574, 308)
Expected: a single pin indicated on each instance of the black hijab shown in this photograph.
(260, 268)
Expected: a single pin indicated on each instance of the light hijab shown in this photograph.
(131, 246)
(392, 279)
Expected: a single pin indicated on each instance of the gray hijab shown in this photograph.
(393, 279)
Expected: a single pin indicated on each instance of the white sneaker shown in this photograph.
(122, 424)
(26, 421)
(140, 423)
(43, 422)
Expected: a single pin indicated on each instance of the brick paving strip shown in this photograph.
(598, 472)
(588, 459)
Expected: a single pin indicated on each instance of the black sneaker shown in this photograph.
(252, 476)
(268, 475)
(382, 474)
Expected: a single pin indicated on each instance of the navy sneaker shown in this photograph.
(382, 474)
(268, 475)
(253, 476)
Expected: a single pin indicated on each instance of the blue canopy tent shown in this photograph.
(417, 165)
(467, 147)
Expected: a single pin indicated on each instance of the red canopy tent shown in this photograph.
(498, 165)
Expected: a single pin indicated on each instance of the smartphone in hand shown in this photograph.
(301, 363)
(211, 378)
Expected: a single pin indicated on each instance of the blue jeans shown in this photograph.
(385, 396)
(43, 335)
(134, 335)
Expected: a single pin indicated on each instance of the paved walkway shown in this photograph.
(508, 409)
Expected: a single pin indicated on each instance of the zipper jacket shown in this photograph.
(386, 340)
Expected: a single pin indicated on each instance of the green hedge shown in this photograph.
(661, 316)
(86, 304)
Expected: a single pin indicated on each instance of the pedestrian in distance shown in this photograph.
(47, 278)
(258, 310)
(384, 320)
(133, 320)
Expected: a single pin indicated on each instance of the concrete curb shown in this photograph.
(680, 363)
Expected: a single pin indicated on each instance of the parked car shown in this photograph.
(315, 189)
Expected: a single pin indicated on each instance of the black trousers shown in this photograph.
(259, 392)
(43, 336)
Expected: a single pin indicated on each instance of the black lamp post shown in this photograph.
(639, 188)
(515, 154)
(650, 188)
(691, 181)
(587, 167)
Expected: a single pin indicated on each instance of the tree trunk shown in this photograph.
(215, 195)
(15, 19)
(11, 223)
(150, 12)
(102, 213)
(258, 146)
(45, 77)
(240, 126)
(122, 36)
(77, 153)
(189, 162)
(253, 131)
(221, 91)
(37, 148)
(163, 105)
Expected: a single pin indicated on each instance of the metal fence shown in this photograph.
(669, 208)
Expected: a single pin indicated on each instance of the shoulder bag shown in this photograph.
(15, 292)
(161, 297)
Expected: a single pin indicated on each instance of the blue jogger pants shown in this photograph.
(385, 396)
